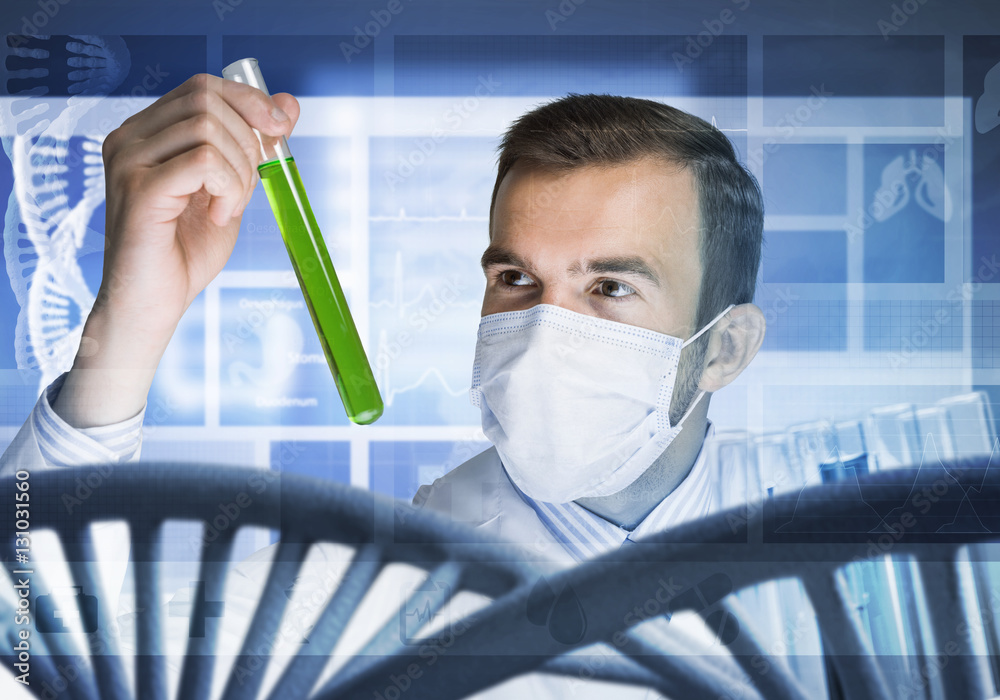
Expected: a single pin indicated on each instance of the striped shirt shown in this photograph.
(62, 445)
(586, 535)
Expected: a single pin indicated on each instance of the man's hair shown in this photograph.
(584, 130)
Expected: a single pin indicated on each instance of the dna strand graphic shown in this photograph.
(44, 231)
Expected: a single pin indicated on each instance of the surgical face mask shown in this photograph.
(576, 406)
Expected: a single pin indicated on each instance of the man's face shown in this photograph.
(616, 242)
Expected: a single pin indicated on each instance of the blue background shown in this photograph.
(846, 293)
(833, 280)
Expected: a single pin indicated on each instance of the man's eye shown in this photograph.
(611, 288)
(513, 278)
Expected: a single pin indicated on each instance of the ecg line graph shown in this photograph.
(387, 361)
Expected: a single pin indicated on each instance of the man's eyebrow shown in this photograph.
(498, 255)
(618, 265)
(495, 255)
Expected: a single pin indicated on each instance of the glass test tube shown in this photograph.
(935, 438)
(815, 451)
(778, 472)
(894, 437)
(323, 295)
(969, 421)
(738, 481)
(851, 447)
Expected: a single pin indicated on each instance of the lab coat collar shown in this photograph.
(586, 535)
(479, 493)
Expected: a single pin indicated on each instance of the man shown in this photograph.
(619, 229)
(629, 211)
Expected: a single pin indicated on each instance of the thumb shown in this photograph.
(289, 105)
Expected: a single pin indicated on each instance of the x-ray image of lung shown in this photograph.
(908, 178)
(906, 205)
(49, 84)
(988, 104)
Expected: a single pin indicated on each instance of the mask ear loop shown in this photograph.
(687, 342)
(708, 325)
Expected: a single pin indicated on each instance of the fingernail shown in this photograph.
(278, 115)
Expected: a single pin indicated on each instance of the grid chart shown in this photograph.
(866, 265)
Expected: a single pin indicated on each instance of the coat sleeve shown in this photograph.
(46, 441)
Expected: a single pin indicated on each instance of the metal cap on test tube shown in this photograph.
(247, 71)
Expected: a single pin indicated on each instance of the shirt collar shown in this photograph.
(586, 535)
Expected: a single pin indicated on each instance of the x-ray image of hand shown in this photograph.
(87, 68)
(907, 177)
(101, 64)
(988, 104)
(44, 231)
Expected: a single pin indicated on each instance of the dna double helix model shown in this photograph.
(50, 83)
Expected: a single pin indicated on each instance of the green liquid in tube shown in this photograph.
(321, 289)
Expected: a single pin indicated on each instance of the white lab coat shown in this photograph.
(478, 494)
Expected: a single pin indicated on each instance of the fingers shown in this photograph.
(87, 49)
(205, 110)
(289, 105)
(257, 109)
(195, 109)
(205, 93)
(220, 127)
(200, 135)
(206, 130)
(186, 174)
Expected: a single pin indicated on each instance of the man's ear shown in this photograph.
(732, 343)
